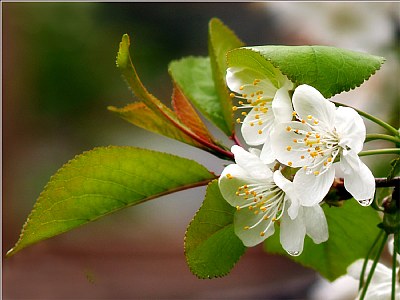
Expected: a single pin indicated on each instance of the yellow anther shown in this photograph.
(250, 207)
(314, 154)
(288, 148)
(260, 122)
(257, 116)
(261, 92)
(234, 108)
(241, 102)
(256, 108)
(317, 136)
(263, 208)
(259, 97)
(303, 121)
(273, 219)
(256, 212)
(246, 227)
(288, 128)
(241, 88)
(316, 173)
(244, 113)
(245, 186)
(294, 140)
(238, 120)
(316, 122)
(244, 95)
(325, 163)
(294, 114)
(237, 193)
(309, 117)
(289, 163)
(297, 131)
(317, 148)
(251, 124)
(237, 207)
(229, 176)
(262, 233)
(252, 95)
(266, 218)
(249, 101)
(264, 110)
(260, 131)
(302, 157)
(305, 168)
(329, 159)
(232, 95)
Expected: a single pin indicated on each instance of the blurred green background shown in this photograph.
(59, 76)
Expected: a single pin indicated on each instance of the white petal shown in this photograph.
(316, 225)
(350, 127)
(312, 189)
(267, 155)
(281, 139)
(309, 101)
(251, 126)
(354, 270)
(230, 180)
(291, 195)
(282, 106)
(292, 234)
(237, 77)
(251, 163)
(251, 237)
(358, 178)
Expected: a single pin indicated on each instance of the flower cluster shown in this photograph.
(305, 139)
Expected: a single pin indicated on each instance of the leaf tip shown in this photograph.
(123, 52)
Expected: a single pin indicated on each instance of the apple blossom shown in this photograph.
(321, 135)
(262, 198)
(268, 100)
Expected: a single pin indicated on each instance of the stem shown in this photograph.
(236, 140)
(384, 182)
(394, 262)
(380, 151)
(380, 136)
(385, 125)
(371, 272)
(366, 259)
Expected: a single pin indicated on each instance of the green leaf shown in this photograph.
(104, 180)
(211, 246)
(330, 70)
(247, 58)
(221, 39)
(142, 116)
(352, 229)
(194, 78)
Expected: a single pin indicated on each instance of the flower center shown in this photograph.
(254, 96)
(265, 200)
(317, 146)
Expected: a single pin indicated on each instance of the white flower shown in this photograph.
(269, 102)
(261, 198)
(380, 287)
(322, 134)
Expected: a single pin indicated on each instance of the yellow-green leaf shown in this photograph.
(102, 181)
(142, 116)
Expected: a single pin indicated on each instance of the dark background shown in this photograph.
(59, 76)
